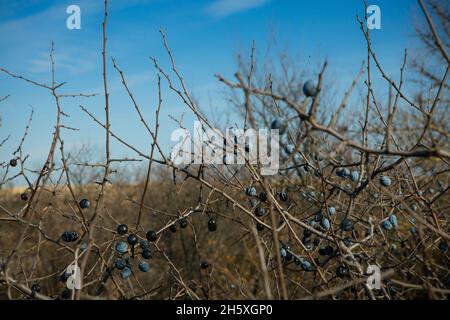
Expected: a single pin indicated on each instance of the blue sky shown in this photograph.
(204, 35)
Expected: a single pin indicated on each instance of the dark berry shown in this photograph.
(316, 241)
(259, 226)
(144, 244)
(348, 241)
(283, 196)
(306, 240)
(36, 288)
(263, 196)
(288, 256)
(347, 224)
(24, 196)
(342, 272)
(151, 236)
(318, 216)
(212, 225)
(204, 265)
(329, 250)
(183, 223)
(70, 236)
(146, 254)
(259, 211)
(307, 233)
(129, 262)
(173, 228)
(84, 204)
(122, 229)
(132, 239)
(66, 293)
(120, 264)
(13, 162)
(64, 276)
(443, 246)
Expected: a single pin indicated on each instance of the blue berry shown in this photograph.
(144, 244)
(283, 253)
(318, 216)
(289, 149)
(125, 273)
(346, 173)
(348, 241)
(250, 191)
(144, 266)
(278, 124)
(354, 175)
(146, 254)
(132, 239)
(259, 211)
(326, 224)
(347, 224)
(84, 204)
(343, 173)
(306, 265)
(121, 247)
(204, 265)
(64, 276)
(394, 220)
(414, 207)
(413, 230)
(70, 236)
(312, 223)
(306, 240)
(310, 88)
(385, 181)
(332, 211)
(83, 246)
(387, 225)
(120, 264)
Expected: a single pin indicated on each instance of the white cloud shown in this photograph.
(75, 63)
(222, 8)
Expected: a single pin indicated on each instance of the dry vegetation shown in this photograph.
(296, 242)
